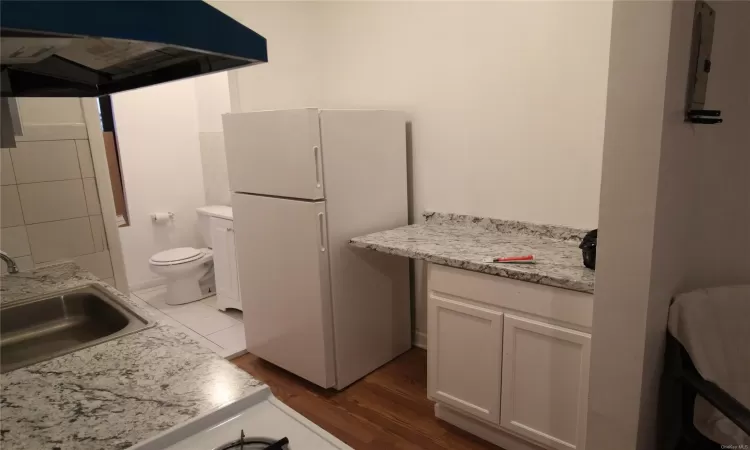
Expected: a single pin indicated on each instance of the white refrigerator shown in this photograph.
(303, 183)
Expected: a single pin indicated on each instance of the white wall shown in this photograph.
(294, 32)
(500, 94)
(675, 203)
(157, 133)
(723, 156)
(632, 143)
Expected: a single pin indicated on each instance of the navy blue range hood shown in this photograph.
(91, 48)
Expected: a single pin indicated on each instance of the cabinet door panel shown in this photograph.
(234, 284)
(464, 349)
(222, 239)
(545, 382)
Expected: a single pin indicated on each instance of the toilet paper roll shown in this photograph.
(161, 217)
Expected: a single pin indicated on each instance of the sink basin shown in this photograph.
(52, 325)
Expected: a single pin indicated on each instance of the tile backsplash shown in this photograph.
(214, 163)
(50, 206)
(38, 161)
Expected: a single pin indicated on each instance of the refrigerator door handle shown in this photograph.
(316, 152)
(321, 224)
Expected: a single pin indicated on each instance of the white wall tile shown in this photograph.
(92, 196)
(14, 241)
(84, 158)
(10, 207)
(58, 111)
(61, 239)
(97, 230)
(6, 168)
(214, 162)
(54, 200)
(24, 263)
(45, 161)
(97, 263)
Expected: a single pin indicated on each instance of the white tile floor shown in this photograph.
(220, 331)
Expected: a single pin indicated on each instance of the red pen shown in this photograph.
(526, 259)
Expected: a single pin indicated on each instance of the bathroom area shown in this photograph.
(177, 237)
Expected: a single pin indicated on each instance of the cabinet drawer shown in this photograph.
(562, 305)
(464, 357)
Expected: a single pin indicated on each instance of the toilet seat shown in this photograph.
(174, 256)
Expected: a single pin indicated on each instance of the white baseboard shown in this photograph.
(148, 284)
(420, 340)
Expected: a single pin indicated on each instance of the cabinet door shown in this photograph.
(463, 350)
(545, 382)
(222, 239)
(275, 153)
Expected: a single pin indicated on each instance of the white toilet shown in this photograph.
(185, 267)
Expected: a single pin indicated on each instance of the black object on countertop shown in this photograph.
(588, 246)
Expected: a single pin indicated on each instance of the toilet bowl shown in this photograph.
(183, 269)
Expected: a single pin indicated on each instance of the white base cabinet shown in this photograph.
(509, 356)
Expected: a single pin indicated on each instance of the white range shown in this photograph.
(262, 421)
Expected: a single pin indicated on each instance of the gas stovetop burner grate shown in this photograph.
(255, 443)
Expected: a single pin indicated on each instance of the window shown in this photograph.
(113, 159)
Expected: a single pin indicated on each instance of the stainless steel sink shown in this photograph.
(52, 325)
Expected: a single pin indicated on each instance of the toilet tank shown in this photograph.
(205, 213)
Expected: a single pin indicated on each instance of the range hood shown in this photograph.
(91, 48)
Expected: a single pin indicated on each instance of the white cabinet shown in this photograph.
(509, 360)
(545, 382)
(464, 356)
(225, 264)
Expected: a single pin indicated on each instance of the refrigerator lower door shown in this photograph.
(282, 258)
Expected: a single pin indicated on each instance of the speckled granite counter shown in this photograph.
(115, 394)
(466, 242)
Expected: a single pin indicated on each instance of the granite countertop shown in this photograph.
(115, 394)
(466, 242)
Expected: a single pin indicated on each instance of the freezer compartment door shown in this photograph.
(275, 153)
(282, 256)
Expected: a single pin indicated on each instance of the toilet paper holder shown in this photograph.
(162, 217)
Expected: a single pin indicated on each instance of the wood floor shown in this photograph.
(388, 409)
